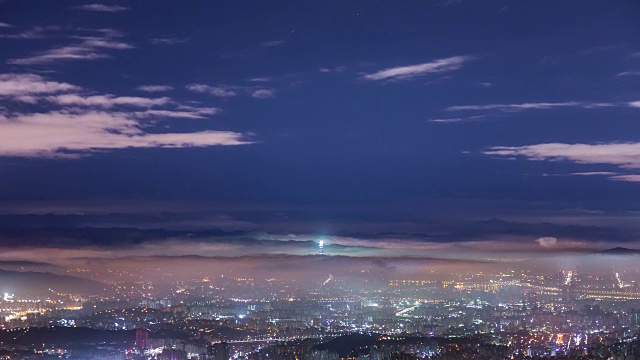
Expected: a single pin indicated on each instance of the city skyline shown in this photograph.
(305, 180)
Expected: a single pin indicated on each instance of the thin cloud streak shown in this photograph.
(412, 71)
(106, 101)
(629, 73)
(91, 48)
(627, 178)
(168, 41)
(225, 91)
(534, 106)
(219, 91)
(624, 155)
(102, 8)
(593, 173)
(31, 84)
(456, 120)
(264, 94)
(154, 88)
(202, 113)
(36, 32)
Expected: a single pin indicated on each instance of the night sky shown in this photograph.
(229, 128)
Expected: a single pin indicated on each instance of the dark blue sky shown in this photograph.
(326, 112)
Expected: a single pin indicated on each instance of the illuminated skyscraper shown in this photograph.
(142, 338)
(321, 248)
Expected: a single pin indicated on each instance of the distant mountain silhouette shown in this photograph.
(620, 251)
(345, 345)
(41, 282)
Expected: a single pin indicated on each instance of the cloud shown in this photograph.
(106, 101)
(168, 41)
(629, 73)
(5, 25)
(334, 69)
(628, 178)
(260, 79)
(154, 88)
(219, 91)
(531, 106)
(31, 84)
(547, 241)
(63, 53)
(635, 104)
(264, 93)
(84, 124)
(36, 32)
(90, 48)
(593, 173)
(231, 91)
(196, 113)
(412, 71)
(66, 134)
(455, 120)
(625, 155)
(272, 43)
(102, 8)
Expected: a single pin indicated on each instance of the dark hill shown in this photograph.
(345, 345)
(620, 251)
(41, 282)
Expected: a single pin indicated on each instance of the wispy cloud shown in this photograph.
(168, 41)
(193, 113)
(534, 106)
(456, 120)
(90, 48)
(264, 93)
(30, 84)
(271, 43)
(338, 69)
(83, 124)
(65, 134)
(628, 178)
(102, 8)
(5, 25)
(36, 32)
(593, 173)
(106, 101)
(219, 91)
(260, 79)
(231, 91)
(624, 155)
(629, 73)
(154, 88)
(412, 71)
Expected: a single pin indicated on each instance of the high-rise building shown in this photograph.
(142, 338)
(321, 248)
(220, 351)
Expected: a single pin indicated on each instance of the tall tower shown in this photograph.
(321, 248)
(142, 338)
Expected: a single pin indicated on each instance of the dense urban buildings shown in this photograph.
(510, 314)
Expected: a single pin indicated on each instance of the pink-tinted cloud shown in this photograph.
(412, 71)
